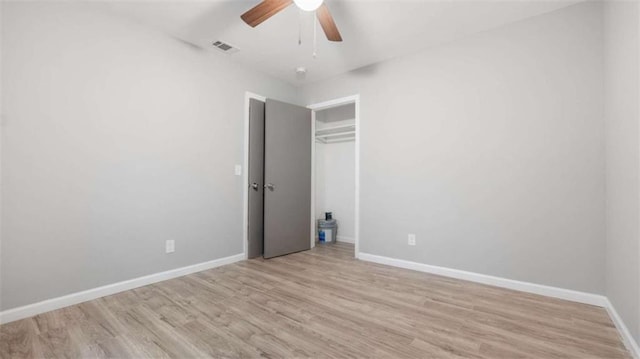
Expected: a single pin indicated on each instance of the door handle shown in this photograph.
(254, 186)
(270, 187)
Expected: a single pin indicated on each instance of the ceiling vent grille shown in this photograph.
(224, 47)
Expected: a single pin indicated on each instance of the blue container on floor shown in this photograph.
(327, 230)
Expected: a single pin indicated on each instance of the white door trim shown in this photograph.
(245, 173)
(355, 99)
(313, 179)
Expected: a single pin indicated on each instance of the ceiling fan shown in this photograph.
(268, 8)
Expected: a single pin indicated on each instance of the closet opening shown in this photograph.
(335, 212)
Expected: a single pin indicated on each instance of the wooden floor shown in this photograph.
(319, 303)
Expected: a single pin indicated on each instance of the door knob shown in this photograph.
(254, 186)
(270, 186)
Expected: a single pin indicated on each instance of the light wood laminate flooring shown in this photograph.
(319, 303)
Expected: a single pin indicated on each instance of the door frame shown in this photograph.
(354, 99)
(245, 173)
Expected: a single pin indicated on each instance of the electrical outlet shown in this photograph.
(170, 246)
(238, 170)
(412, 239)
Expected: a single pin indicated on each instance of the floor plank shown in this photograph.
(322, 304)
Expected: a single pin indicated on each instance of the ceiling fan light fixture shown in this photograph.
(308, 5)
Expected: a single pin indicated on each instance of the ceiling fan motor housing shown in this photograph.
(308, 5)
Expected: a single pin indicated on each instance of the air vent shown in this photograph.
(224, 47)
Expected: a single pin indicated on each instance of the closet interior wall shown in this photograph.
(335, 168)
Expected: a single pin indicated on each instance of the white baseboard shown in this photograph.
(79, 297)
(555, 292)
(627, 338)
(30, 310)
(345, 239)
(567, 294)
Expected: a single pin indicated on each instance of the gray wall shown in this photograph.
(490, 149)
(115, 138)
(622, 118)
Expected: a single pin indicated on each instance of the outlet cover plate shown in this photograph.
(170, 246)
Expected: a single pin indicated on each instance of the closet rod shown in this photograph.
(338, 140)
(336, 134)
(335, 127)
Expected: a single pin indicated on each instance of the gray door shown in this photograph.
(256, 178)
(287, 178)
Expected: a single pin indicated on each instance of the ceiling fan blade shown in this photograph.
(263, 11)
(327, 23)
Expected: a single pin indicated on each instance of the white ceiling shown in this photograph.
(373, 31)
